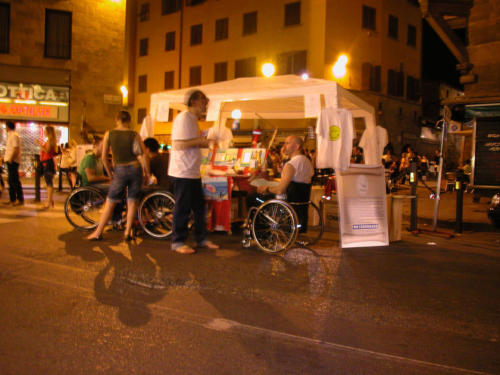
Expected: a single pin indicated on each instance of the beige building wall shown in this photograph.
(328, 28)
(484, 48)
(96, 65)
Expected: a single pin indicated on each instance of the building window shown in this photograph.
(395, 83)
(371, 77)
(143, 47)
(196, 34)
(245, 67)
(143, 83)
(369, 18)
(192, 3)
(144, 14)
(57, 34)
(220, 71)
(393, 27)
(4, 27)
(170, 6)
(195, 76)
(169, 80)
(292, 14)
(141, 113)
(412, 88)
(292, 62)
(412, 36)
(249, 23)
(170, 41)
(221, 29)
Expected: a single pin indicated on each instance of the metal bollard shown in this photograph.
(60, 180)
(413, 184)
(37, 166)
(459, 187)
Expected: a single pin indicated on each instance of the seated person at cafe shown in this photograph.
(158, 164)
(295, 179)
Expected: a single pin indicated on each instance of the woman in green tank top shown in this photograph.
(129, 156)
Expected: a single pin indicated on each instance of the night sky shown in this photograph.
(438, 63)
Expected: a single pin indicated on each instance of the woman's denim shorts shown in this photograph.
(129, 176)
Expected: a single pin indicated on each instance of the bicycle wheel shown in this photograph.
(315, 227)
(274, 226)
(83, 208)
(156, 214)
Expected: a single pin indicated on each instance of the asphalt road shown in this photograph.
(425, 305)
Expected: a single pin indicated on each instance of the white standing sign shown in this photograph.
(362, 206)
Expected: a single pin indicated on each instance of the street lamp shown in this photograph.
(124, 91)
(339, 68)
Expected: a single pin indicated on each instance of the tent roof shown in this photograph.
(284, 97)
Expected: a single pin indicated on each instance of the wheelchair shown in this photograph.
(274, 226)
(84, 205)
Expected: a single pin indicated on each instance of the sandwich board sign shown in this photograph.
(362, 206)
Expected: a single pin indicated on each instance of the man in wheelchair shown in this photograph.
(91, 172)
(295, 180)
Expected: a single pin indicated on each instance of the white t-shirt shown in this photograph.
(13, 141)
(334, 130)
(303, 169)
(185, 163)
(373, 142)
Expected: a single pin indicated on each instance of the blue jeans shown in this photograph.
(125, 176)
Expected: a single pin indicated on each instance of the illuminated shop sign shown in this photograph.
(26, 110)
(34, 102)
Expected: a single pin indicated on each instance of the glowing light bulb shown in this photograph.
(343, 59)
(339, 70)
(268, 69)
(236, 114)
(124, 91)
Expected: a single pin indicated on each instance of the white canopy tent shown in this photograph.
(277, 97)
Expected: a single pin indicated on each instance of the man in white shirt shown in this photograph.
(295, 178)
(184, 170)
(13, 158)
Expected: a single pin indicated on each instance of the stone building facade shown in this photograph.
(484, 49)
(175, 44)
(61, 63)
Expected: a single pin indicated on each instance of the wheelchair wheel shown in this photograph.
(315, 227)
(83, 208)
(274, 226)
(155, 214)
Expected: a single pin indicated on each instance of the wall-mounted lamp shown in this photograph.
(124, 91)
(339, 68)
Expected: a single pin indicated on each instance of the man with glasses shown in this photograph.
(184, 170)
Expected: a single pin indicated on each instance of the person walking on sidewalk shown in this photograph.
(184, 169)
(13, 159)
(48, 151)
